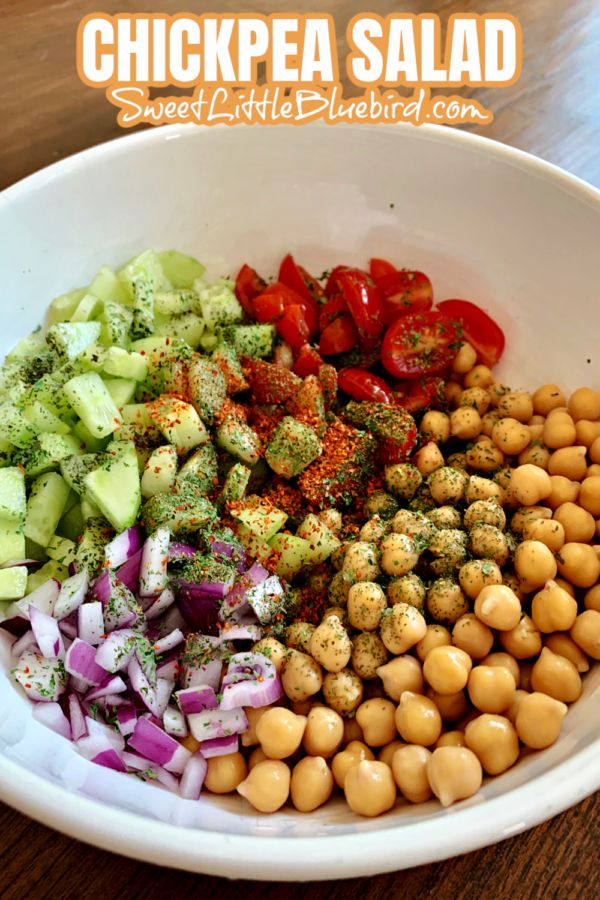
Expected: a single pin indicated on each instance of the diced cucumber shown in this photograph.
(90, 549)
(71, 338)
(255, 546)
(34, 551)
(13, 583)
(183, 510)
(49, 390)
(89, 510)
(115, 485)
(209, 341)
(72, 523)
(62, 308)
(116, 323)
(122, 390)
(45, 506)
(180, 269)
(12, 541)
(175, 303)
(89, 443)
(208, 390)
(236, 482)
(179, 423)
(238, 439)
(160, 471)
(152, 347)
(87, 308)
(201, 468)
(219, 305)
(6, 452)
(227, 360)
(92, 402)
(261, 517)
(43, 419)
(14, 427)
(188, 327)
(12, 495)
(27, 347)
(62, 550)
(75, 468)
(92, 358)
(51, 569)
(293, 553)
(322, 540)
(122, 364)
(107, 287)
(251, 340)
(136, 419)
(292, 447)
(47, 452)
(142, 277)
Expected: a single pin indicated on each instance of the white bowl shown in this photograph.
(486, 222)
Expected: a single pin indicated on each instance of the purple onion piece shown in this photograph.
(174, 722)
(169, 641)
(71, 595)
(220, 746)
(156, 745)
(42, 679)
(139, 764)
(193, 777)
(123, 546)
(217, 723)
(80, 661)
(25, 642)
(179, 551)
(43, 598)
(52, 716)
(79, 727)
(162, 603)
(196, 699)
(91, 622)
(112, 684)
(116, 649)
(126, 718)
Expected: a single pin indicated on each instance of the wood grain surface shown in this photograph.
(553, 111)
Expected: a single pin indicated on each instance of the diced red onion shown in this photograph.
(98, 750)
(25, 642)
(237, 595)
(142, 687)
(114, 700)
(116, 649)
(43, 598)
(79, 727)
(173, 619)
(168, 667)
(121, 608)
(71, 595)
(30, 563)
(251, 680)
(263, 598)
(198, 606)
(80, 661)
(174, 722)
(242, 632)
(91, 622)
(68, 629)
(164, 689)
(178, 551)
(209, 673)
(15, 623)
(47, 636)
(109, 734)
(220, 746)
(123, 546)
(163, 602)
(169, 641)
(112, 684)
(158, 746)
(217, 723)
(126, 718)
(195, 699)
(52, 716)
(153, 569)
(139, 764)
(42, 679)
(128, 574)
(193, 777)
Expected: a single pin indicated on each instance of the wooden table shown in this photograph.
(553, 111)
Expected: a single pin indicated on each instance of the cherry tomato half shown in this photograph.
(298, 279)
(293, 327)
(419, 344)
(404, 292)
(364, 302)
(361, 385)
(248, 285)
(416, 396)
(478, 329)
(338, 337)
(308, 361)
(380, 267)
(334, 308)
(280, 296)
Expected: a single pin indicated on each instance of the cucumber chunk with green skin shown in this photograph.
(115, 485)
(189, 328)
(92, 402)
(201, 468)
(6, 453)
(43, 419)
(62, 550)
(72, 523)
(137, 424)
(227, 359)
(142, 277)
(183, 510)
(90, 548)
(208, 390)
(122, 390)
(12, 541)
(49, 390)
(116, 324)
(13, 502)
(46, 453)
(62, 308)
(14, 427)
(160, 471)
(209, 341)
(87, 308)
(92, 359)
(322, 540)
(51, 569)
(27, 347)
(251, 340)
(87, 442)
(107, 287)
(179, 423)
(236, 482)
(13, 583)
(70, 339)
(45, 506)
(89, 510)
(293, 551)
(239, 439)
(293, 446)
(175, 303)
(262, 518)
(74, 469)
(218, 304)
(180, 269)
(121, 364)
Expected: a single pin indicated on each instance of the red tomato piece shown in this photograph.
(416, 396)
(364, 302)
(338, 337)
(404, 292)
(268, 307)
(380, 267)
(248, 285)
(334, 308)
(298, 279)
(362, 385)
(331, 286)
(308, 361)
(293, 327)
(478, 329)
(420, 344)
(288, 297)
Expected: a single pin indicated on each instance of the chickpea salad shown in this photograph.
(293, 538)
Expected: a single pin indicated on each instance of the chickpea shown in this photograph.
(529, 484)
(526, 669)
(330, 645)
(445, 518)
(465, 359)
(510, 580)
(435, 426)
(539, 720)
(534, 564)
(511, 711)
(584, 403)
(324, 732)
(249, 738)
(505, 661)
(586, 632)
(491, 688)
(587, 433)
(332, 518)
(484, 456)
(579, 564)
(413, 524)
(450, 739)
(451, 707)
(402, 480)
(452, 392)
(480, 488)
(334, 612)
(267, 787)
(298, 636)
(409, 768)
(559, 430)
(548, 531)
(386, 754)
(361, 561)
(593, 471)
(591, 599)
(352, 755)
(311, 783)
(301, 676)
(399, 554)
(366, 603)
(402, 627)
(457, 461)
(407, 589)
(548, 397)
(479, 376)
(488, 421)
(484, 512)
(449, 548)
(527, 514)
(454, 773)
(497, 390)
(352, 732)
(376, 718)
(556, 676)
(435, 636)
(524, 640)
(536, 454)
(370, 788)
(511, 436)
(570, 462)
(589, 495)
(594, 449)
(343, 691)
(339, 588)
(447, 669)
(429, 458)
(447, 485)
(563, 645)
(494, 741)
(381, 504)
(446, 602)
(224, 773)
(257, 756)
(374, 530)
(368, 655)
(401, 674)
(280, 732)
(476, 574)
(563, 491)
(489, 542)
(472, 636)
(476, 398)
(418, 719)
(553, 608)
(272, 649)
(516, 405)
(302, 707)
(465, 423)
